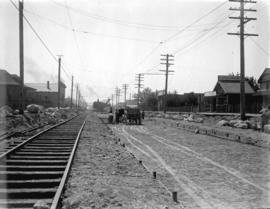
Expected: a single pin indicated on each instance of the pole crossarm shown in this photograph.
(245, 34)
(244, 18)
(246, 10)
(165, 55)
(166, 63)
(245, 1)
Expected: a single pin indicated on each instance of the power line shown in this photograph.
(146, 56)
(204, 38)
(39, 38)
(194, 41)
(181, 31)
(74, 35)
(200, 37)
(86, 32)
(193, 23)
(121, 22)
(260, 47)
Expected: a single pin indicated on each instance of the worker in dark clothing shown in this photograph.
(143, 114)
(110, 119)
(117, 116)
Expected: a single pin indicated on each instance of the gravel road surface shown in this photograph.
(207, 172)
(106, 175)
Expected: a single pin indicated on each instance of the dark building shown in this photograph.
(45, 94)
(10, 89)
(264, 90)
(226, 95)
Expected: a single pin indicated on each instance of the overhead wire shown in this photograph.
(194, 22)
(259, 46)
(198, 37)
(40, 39)
(74, 36)
(89, 32)
(206, 32)
(121, 22)
(183, 30)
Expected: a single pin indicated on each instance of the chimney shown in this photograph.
(48, 84)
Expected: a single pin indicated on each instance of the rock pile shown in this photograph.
(237, 123)
(34, 116)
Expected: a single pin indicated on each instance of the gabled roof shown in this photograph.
(6, 78)
(234, 87)
(231, 85)
(42, 87)
(265, 76)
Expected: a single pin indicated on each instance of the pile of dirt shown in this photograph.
(243, 124)
(232, 121)
(34, 116)
(105, 175)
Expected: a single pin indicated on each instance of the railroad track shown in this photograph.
(11, 140)
(37, 169)
(21, 133)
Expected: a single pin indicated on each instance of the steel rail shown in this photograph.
(61, 187)
(33, 137)
(16, 133)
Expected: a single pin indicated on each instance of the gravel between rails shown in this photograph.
(105, 175)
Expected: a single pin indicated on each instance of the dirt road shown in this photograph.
(206, 172)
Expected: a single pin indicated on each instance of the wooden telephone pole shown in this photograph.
(139, 85)
(117, 95)
(112, 100)
(167, 59)
(59, 81)
(71, 96)
(242, 34)
(21, 56)
(125, 86)
(77, 91)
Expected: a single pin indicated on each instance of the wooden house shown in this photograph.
(227, 91)
(264, 90)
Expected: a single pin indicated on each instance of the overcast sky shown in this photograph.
(105, 43)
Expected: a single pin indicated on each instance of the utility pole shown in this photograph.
(242, 34)
(125, 86)
(77, 91)
(139, 85)
(21, 56)
(59, 81)
(116, 91)
(112, 100)
(167, 59)
(79, 98)
(117, 95)
(71, 96)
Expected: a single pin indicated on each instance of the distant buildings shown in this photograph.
(45, 94)
(10, 89)
(264, 90)
(226, 95)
